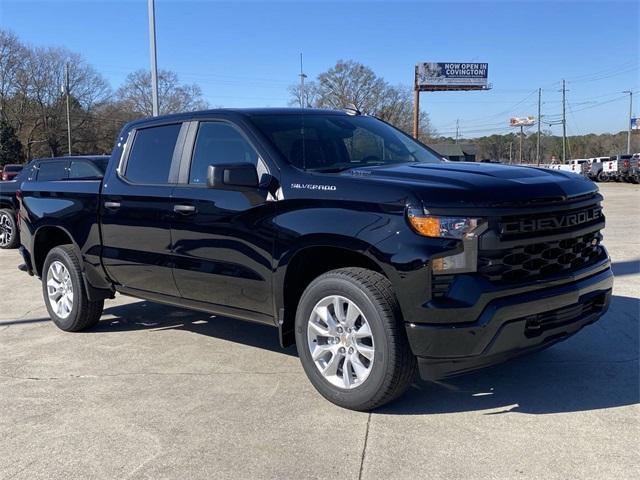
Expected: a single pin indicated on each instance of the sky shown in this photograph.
(246, 54)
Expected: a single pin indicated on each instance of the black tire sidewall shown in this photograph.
(69, 323)
(357, 397)
(15, 237)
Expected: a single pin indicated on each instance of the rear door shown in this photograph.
(136, 211)
(223, 239)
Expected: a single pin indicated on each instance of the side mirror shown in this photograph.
(232, 176)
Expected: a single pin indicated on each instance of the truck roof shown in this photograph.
(249, 112)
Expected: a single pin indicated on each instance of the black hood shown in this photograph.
(481, 184)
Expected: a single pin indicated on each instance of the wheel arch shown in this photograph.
(313, 257)
(45, 239)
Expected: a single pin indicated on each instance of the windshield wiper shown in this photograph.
(331, 170)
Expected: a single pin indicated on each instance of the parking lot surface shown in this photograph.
(160, 392)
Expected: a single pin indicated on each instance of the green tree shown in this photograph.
(10, 146)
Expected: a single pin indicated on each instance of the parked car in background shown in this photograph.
(594, 169)
(10, 170)
(42, 169)
(622, 163)
(634, 168)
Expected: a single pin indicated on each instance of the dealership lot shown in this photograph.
(159, 392)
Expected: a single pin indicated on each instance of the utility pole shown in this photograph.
(539, 119)
(66, 91)
(457, 129)
(416, 105)
(564, 124)
(521, 135)
(153, 56)
(629, 120)
(302, 77)
(510, 147)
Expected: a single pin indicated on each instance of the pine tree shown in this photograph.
(10, 146)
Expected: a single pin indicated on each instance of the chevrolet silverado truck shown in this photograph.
(362, 246)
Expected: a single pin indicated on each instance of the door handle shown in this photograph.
(112, 205)
(184, 209)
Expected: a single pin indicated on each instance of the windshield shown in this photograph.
(13, 168)
(332, 143)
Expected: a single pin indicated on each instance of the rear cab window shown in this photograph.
(52, 171)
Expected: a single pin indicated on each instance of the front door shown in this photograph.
(222, 239)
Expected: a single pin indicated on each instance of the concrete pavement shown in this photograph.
(159, 392)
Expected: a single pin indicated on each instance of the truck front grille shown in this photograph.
(539, 260)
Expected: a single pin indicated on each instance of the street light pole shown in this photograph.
(629, 120)
(302, 76)
(154, 57)
(66, 91)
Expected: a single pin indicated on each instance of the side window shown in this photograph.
(218, 143)
(150, 157)
(84, 169)
(52, 171)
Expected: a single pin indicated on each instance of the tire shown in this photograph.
(77, 312)
(392, 367)
(603, 177)
(9, 237)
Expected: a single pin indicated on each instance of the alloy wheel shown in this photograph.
(6, 230)
(341, 342)
(60, 289)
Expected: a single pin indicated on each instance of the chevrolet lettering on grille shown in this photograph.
(554, 222)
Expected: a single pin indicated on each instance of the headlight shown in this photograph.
(466, 229)
(441, 227)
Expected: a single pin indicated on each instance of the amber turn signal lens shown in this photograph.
(425, 225)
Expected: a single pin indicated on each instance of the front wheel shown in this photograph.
(65, 294)
(351, 339)
(8, 231)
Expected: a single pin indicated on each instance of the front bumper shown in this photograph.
(504, 323)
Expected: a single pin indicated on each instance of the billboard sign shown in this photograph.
(522, 121)
(470, 75)
(635, 124)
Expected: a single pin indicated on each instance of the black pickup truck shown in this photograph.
(363, 247)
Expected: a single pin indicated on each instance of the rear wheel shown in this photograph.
(65, 294)
(602, 177)
(351, 339)
(8, 230)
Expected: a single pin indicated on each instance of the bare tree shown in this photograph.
(307, 98)
(11, 52)
(44, 78)
(352, 84)
(173, 97)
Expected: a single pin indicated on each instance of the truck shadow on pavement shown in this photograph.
(148, 315)
(597, 368)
